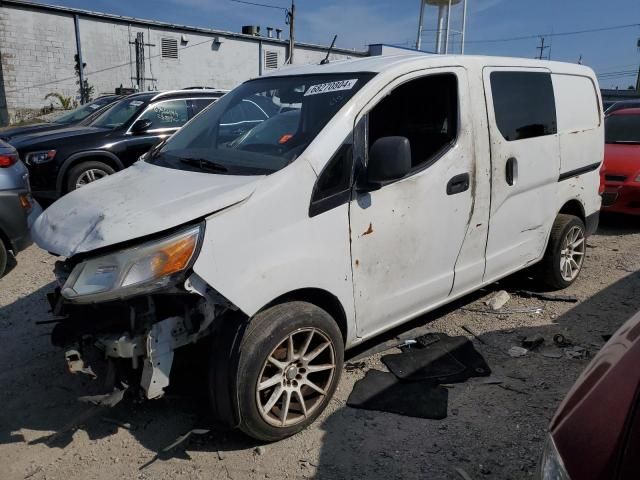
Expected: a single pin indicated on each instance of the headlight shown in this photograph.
(551, 465)
(37, 158)
(134, 270)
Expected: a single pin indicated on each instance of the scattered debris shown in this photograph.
(462, 473)
(382, 391)
(551, 354)
(450, 360)
(532, 342)
(505, 312)
(511, 389)
(182, 438)
(491, 381)
(113, 421)
(260, 450)
(76, 364)
(220, 455)
(561, 341)
(549, 297)
(474, 334)
(498, 300)
(576, 352)
(516, 352)
(106, 399)
(38, 469)
(353, 366)
(606, 337)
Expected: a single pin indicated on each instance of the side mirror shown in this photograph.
(389, 159)
(140, 126)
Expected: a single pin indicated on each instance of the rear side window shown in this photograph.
(199, 104)
(167, 114)
(622, 129)
(524, 104)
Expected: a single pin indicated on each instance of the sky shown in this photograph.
(614, 54)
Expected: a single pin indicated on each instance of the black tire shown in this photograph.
(4, 256)
(550, 266)
(266, 332)
(79, 170)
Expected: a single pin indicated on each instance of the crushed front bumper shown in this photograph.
(139, 336)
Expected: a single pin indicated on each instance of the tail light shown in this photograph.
(7, 160)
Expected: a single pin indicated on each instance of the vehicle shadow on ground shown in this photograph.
(40, 404)
(618, 224)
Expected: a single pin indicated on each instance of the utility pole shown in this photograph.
(542, 48)
(291, 15)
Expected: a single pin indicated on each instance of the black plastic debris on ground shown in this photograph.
(382, 391)
(412, 388)
(448, 360)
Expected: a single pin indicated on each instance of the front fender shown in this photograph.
(73, 159)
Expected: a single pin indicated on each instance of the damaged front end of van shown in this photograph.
(127, 296)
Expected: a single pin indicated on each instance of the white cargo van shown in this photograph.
(364, 194)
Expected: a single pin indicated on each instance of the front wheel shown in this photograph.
(565, 253)
(289, 365)
(4, 255)
(86, 173)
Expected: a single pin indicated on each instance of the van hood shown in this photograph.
(141, 200)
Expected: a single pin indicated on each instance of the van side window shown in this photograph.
(524, 104)
(425, 111)
(333, 187)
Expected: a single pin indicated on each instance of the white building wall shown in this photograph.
(37, 48)
(37, 58)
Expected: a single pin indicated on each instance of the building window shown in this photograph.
(169, 48)
(524, 104)
(270, 60)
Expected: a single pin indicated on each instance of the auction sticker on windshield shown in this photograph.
(331, 87)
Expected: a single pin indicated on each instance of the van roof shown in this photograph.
(384, 62)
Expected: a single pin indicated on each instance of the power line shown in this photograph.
(259, 4)
(553, 34)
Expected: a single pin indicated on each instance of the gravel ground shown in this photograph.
(492, 431)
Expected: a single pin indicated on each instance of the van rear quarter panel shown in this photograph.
(581, 134)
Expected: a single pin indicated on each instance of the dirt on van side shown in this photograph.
(493, 430)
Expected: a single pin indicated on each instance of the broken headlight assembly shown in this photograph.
(131, 271)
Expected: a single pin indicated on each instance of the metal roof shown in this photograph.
(175, 26)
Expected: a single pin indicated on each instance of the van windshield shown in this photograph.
(261, 126)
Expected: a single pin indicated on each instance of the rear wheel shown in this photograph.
(87, 172)
(565, 253)
(289, 365)
(3, 258)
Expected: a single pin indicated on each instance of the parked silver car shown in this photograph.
(18, 209)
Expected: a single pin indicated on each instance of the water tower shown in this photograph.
(444, 23)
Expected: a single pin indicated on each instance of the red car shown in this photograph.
(595, 434)
(620, 173)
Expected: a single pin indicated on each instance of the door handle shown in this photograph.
(511, 171)
(458, 184)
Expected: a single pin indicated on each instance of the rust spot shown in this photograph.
(357, 262)
(369, 230)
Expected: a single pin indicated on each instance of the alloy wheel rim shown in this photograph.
(572, 253)
(296, 377)
(89, 176)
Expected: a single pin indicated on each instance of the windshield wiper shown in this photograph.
(205, 164)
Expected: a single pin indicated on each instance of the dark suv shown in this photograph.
(65, 159)
(82, 115)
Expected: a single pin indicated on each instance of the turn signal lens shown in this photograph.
(7, 160)
(25, 201)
